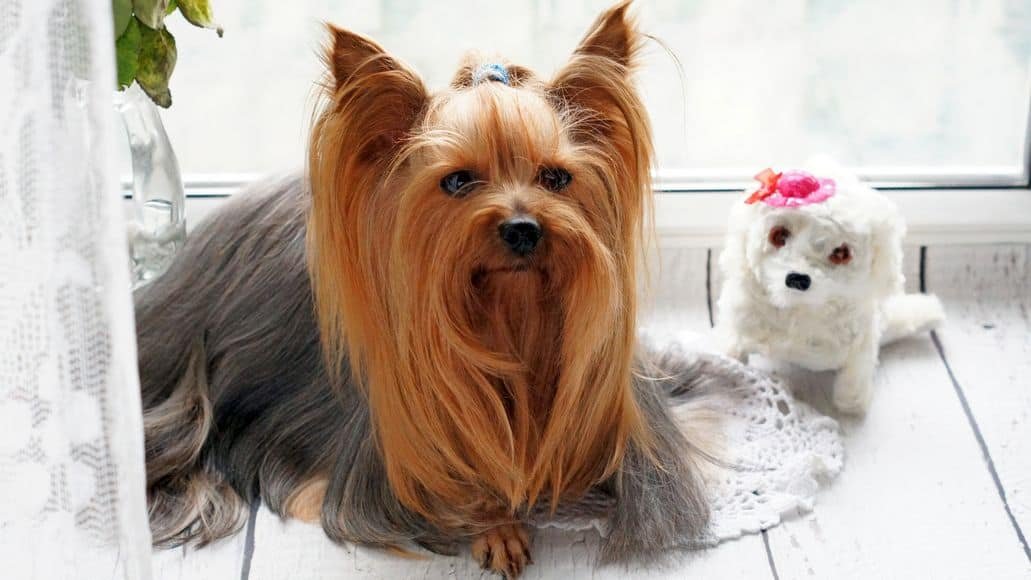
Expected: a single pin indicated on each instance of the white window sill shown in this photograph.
(698, 219)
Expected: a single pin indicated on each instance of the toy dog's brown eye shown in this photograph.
(841, 255)
(779, 236)
(458, 184)
(554, 178)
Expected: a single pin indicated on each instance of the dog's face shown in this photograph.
(473, 254)
(804, 256)
(501, 209)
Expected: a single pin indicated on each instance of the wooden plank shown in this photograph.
(293, 549)
(906, 489)
(715, 281)
(911, 267)
(987, 343)
(676, 295)
(221, 560)
(914, 500)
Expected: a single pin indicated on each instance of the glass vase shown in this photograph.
(157, 227)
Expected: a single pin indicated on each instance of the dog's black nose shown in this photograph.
(798, 281)
(521, 234)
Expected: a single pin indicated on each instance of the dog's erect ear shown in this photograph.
(379, 93)
(350, 53)
(597, 76)
(374, 103)
(596, 88)
(612, 36)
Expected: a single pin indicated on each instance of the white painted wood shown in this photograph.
(909, 177)
(699, 219)
(911, 267)
(987, 341)
(676, 294)
(294, 549)
(914, 500)
(221, 560)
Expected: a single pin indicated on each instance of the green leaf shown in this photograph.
(151, 12)
(123, 13)
(172, 5)
(155, 65)
(127, 52)
(198, 12)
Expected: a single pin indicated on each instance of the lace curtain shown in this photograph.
(72, 499)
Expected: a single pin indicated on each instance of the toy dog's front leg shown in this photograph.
(731, 343)
(730, 340)
(853, 386)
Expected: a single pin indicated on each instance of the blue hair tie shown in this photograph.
(490, 72)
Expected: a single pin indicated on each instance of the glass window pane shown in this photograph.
(888, 83)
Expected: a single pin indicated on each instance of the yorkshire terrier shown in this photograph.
(432, 332)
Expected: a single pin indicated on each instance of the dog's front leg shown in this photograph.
(853, 387)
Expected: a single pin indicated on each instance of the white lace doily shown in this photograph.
(779, 452)
(783, 450)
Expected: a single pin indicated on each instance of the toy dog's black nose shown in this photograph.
(798, 281)
(521, 234)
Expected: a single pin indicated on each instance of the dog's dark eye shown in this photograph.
(779, 236)
(554, 178)
(841, 255)
(458, 184)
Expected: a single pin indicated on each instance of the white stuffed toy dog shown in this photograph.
(813, 276)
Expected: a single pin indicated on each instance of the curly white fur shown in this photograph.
(847, 311)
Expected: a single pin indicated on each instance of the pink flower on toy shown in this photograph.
(791, 188)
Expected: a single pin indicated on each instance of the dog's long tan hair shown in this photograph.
(490, 387)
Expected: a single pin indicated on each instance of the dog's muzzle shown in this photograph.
(797, 281)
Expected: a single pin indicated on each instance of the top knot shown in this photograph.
(490, 72)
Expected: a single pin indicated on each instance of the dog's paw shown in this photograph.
(504, 550)
(852, 394)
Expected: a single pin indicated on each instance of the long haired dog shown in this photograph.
(813, 276)
(434, 331)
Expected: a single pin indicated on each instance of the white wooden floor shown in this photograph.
(937, 479)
